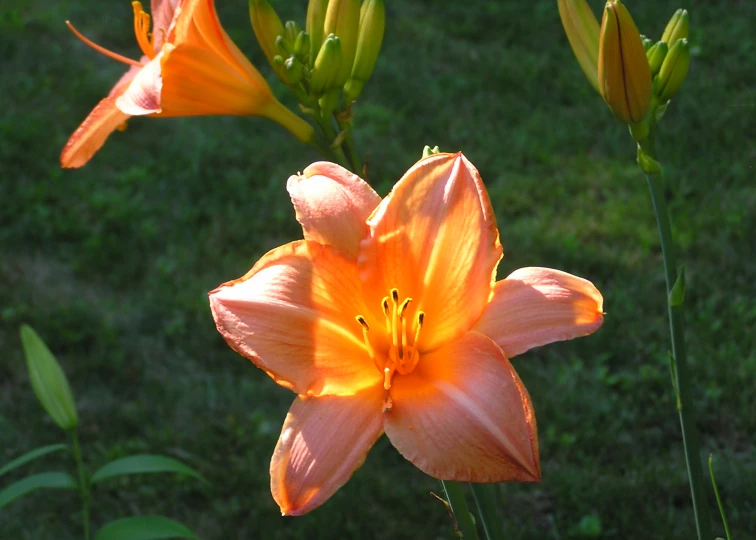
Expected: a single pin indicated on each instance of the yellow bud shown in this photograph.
(343, 21)
(370, 37)
(582, 30)
(267, 26)
(677, 28)
(316, 14)
(673, 71)
(624, 76)
(326, 66)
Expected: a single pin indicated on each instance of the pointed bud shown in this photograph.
(343, 20)
(647, 43)
(656, 56)
(291, 31)
(624, 76)
(673, 71)
(372, 25)
(294, 71)
(267, 26)
(48, 380)
(302, 45)
(326, 66)
(677, 28)
(284, 46)
(582, 29)
(316, 14)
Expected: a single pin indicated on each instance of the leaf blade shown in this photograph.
(31, 456)
(144, 528)
(30, 484)
(143, 464)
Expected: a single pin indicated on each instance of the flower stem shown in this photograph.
(485, 500)
(455, 494)
(676, 325)
(83, 482)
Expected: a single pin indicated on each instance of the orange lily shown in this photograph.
(190, 67)
(387, 318)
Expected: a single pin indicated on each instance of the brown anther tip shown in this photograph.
(420, 317)
(404, 305)
(360, 319)
(395, 294)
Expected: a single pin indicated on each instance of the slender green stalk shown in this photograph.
(676, 324)
(719, 499)
(455, 494)
(83, 482)
(327, 126)
(485, 500)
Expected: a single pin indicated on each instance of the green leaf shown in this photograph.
(677, 294)
(143, 463)
(143, 528)
(50, 480)
(31, 456)
(48, 380)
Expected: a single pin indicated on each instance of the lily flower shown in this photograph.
(387, 318)
(189, 67)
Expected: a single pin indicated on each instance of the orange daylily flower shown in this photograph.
(190, 67)
(387, 318)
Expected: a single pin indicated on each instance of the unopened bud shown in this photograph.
(284, 46)
(656, 56)
(302, 45)
(582, 31)
(372, 25)
(314, 25)
(677, 28)
(624, 76)
(673, 71)
(326, 66)
(294, 71)
(291, 31)
(267, 26)
(647, 43)
(343, 20)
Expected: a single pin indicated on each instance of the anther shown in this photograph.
(386, 378)
(385, 304)
(395, 295)
(404, 306)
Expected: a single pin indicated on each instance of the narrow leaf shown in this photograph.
(143, 528)
(677, 294)
(141, 464)
(51, 480)
(48, 380)
(719, 499)
(31, 456)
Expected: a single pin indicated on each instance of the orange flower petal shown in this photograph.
(333, 205)
(323, 441)
(162, 12)
(536, 306)
(104, 119)
(463, 414)
(293, 316)
(435, 239)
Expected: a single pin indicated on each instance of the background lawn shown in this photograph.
(112, 263)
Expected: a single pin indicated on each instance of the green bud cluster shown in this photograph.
(669, 58)
(335, 52)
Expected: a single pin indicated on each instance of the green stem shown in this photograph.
(485, 500)
(676, 325)
(337, 152)
(719, 499)
(83, 481)
(456, 496)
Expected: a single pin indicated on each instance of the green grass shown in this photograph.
(111, 264)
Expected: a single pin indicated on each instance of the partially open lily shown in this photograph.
(190, 67)
(387, 318)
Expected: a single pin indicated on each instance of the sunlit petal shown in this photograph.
(536, 306)
(323, 441)
(435, 239)
(463, 414)
(332, 205)
(293, 316)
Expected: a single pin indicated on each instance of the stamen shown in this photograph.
(420, 319)
(142, 30)
(402, 309)
(365, 327)
(100, 49)
(394, 316)
(404, 306)
(385, 304)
